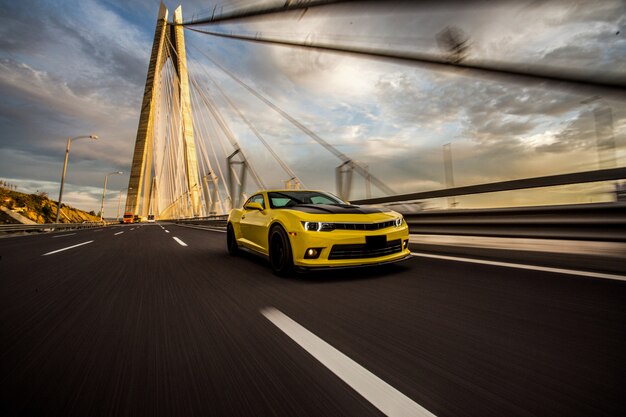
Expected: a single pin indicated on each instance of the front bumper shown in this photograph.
(351, 266)
(355, 242)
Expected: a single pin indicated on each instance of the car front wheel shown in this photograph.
(281, 259)
(231, 241)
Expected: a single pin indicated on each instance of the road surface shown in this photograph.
(158, 320)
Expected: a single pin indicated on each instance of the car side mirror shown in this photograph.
(253, 205)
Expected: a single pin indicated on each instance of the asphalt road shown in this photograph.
(136, 324)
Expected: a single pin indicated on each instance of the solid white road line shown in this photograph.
(180, 242)
(69, 247)
(118, 233)
(522, 266)
(611, 249)
(382, 395)
(69, 234)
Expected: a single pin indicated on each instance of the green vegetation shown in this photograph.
(39, 208)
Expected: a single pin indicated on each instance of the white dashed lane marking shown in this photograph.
(69, 247)
(180, 242)
(380, 394)
(69, 234)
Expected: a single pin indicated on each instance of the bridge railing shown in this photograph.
(210, 221)
(594, 222)
(599, 222)
(46, 227)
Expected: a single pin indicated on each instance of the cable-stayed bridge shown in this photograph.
(187, 162)
(514, 311)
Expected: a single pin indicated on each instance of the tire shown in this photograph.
(281, 259)
(231, 241)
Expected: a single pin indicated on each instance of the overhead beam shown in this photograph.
(521, 184)
(609, 85)
(218, 16)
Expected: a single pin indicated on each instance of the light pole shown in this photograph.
(104, 190)
(67, 152)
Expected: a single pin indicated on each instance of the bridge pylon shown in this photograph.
(140, 184)
(343, 179)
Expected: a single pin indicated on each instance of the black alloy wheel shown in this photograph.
(281, 259)
(231, 242)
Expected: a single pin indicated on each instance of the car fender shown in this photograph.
(234, 219)
(287, 219)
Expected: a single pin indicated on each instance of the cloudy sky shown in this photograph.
(71, 68)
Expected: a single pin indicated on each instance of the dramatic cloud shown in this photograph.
(71, 67)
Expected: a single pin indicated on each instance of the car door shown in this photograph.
(254, 224)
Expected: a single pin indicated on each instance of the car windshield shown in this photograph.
(293, 198)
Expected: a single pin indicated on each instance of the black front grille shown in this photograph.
(363, 226)
(364, 251)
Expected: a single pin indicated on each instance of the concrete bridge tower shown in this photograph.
(140, 184)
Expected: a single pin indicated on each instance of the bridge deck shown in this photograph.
(135, 323)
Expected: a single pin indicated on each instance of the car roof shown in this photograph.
(287, 190)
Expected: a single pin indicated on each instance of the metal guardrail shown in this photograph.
(47, 227)
(593, 222)
(213, 221)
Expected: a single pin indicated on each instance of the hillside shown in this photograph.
(39, 208)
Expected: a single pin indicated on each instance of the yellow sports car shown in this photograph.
(298, 229)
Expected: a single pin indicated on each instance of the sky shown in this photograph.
(77, 67)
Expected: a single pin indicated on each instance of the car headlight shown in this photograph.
(318, 226)
(398, 221)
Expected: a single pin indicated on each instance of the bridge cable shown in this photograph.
(254, 130)
(343, 157)
(185, 187)
(206, 168)
(228, 133)
(202, 121)
(211, 105)
(166, 171)
(199, 143)
(200, 126)
(284, 166)
(161, 164)
(174, 160)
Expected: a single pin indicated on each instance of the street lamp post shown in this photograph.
(104, 190)
(67, 152)
(119, 203)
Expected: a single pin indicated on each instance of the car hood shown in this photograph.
(336, 209)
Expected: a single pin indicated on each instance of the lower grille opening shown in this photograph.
(360, 251)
